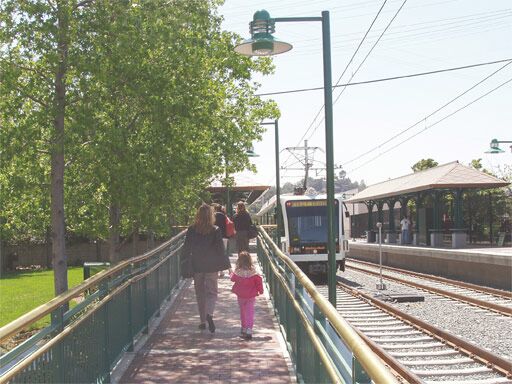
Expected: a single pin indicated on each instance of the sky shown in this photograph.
(426, 35)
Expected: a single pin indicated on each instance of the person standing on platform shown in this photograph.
(243, 223)
(220, 221)
(405, 224)
(202, 258)
(248, 285)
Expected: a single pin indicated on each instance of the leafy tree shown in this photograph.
(139, 102)
(35, 43)
(486, 208)
(424, 164)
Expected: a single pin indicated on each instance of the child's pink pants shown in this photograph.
(247, 311)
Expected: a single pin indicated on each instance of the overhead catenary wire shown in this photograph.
(384, 79)
(430, 115)
(432, 125)
(361, 63)
(401, 33)
(345, 70)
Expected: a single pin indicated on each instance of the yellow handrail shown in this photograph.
(370, 362)
(269, 226)
(331, 370)
(39, 312)
(46, 347)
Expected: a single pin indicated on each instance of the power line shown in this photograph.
(431, 125)
(388, 78)
(404, 32)
(362, 62)
(430, 115)
(346, 67)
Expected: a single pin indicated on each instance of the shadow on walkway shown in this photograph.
(178, 352)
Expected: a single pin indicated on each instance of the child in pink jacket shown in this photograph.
(248, 285)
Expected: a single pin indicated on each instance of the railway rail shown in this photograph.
(416, 351)
(482, 297)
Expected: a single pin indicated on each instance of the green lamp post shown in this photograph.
(495, 146)
(278, 182)
(263, 43)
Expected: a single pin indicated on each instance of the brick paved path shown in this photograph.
(178, 352)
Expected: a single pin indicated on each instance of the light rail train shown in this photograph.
(305, 231)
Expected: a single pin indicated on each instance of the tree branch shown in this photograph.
(72, 159)
(42, 75)
(52, 5)
(83, 3)
(125, 240)
(33, 98)
(130, 125)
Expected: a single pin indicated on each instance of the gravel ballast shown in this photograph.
(483, 328)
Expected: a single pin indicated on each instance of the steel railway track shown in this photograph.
(415, 350)
(485, 298)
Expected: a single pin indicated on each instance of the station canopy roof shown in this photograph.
(447, 176)
(248, 193)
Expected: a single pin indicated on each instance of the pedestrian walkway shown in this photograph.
(178, 352)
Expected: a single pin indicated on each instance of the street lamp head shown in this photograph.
(495, 147)
(495, 150)
(262, 43)
(250, 153)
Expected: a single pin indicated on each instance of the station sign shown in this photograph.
(308, 203)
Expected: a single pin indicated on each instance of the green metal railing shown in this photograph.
(84, 343)
(323, 346)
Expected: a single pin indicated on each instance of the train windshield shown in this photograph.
(307, 221)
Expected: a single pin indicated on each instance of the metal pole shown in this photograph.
(381, 285)
(278, 186)
(228, 199)
(352, 221)
(491, 235)
(329, 154)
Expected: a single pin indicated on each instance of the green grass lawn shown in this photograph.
(21, 292)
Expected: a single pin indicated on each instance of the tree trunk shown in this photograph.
(98, 249)
(151, 239)
(113, 241)
(48, 247)
(135, 239)
(60, 267)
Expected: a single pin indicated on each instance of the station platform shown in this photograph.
(486, 266)
(176, 351)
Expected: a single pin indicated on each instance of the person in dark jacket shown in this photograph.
(243, 222)
(220, 219)
(204, 252)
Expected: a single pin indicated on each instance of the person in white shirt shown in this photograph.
(405, 224)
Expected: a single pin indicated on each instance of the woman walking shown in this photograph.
(243, 222)
(203, 253)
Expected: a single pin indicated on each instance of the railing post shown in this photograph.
(145, 330)
(106, 335)
(169, 277)
(359, 375)
(157, 277)
(298, 292)
(130, 311)
(319, 321)
(57, 319)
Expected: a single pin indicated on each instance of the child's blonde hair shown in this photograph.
(244, 261)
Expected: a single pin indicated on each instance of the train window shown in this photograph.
(307, 224)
